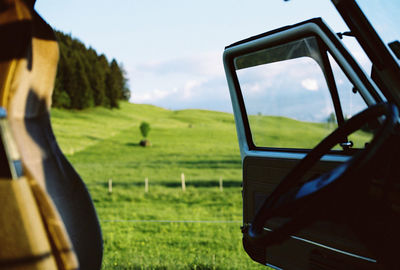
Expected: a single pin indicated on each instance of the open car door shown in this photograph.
(314, 135)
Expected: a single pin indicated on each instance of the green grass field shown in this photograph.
(103, 144)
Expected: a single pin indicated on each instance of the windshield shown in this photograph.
(384, 17)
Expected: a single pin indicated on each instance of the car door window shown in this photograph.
(287, 99)
(352, 103)
(287, 103)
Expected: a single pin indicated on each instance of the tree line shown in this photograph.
(85, 79)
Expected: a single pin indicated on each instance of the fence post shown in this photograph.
(109, 186)
(221, 184)
(146, 185)
(183, 182)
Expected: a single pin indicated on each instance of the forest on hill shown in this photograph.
(85, 78)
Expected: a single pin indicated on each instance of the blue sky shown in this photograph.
(172, 50)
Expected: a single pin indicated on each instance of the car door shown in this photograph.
(290, 88)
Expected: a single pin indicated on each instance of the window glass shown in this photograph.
(384, 16)
(287, 102)
(287, 99)
(351, 103)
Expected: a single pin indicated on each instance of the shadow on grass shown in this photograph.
(213, 164)
(93, 138)
(140, 267)
(192, 266)
(191, 164)
(132, 144)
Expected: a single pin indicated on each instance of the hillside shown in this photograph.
(188, 140)
(165, 228)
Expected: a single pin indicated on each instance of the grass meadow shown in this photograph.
(165, 228)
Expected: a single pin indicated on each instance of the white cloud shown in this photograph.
(310, 84)
(185, 92)
(328, 109)
(205, 64)
(194, 81)
(252, 88)
(151, 96)
(188, 88)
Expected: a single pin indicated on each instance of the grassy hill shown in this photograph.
(103, 144)
(145, 230)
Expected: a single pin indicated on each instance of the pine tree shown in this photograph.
(83, 94)
(60, 98)
(104, 69)
(113, 84)
(126, 92)
(86, 79)
(70, 82)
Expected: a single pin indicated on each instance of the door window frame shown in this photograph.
(327, 39)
